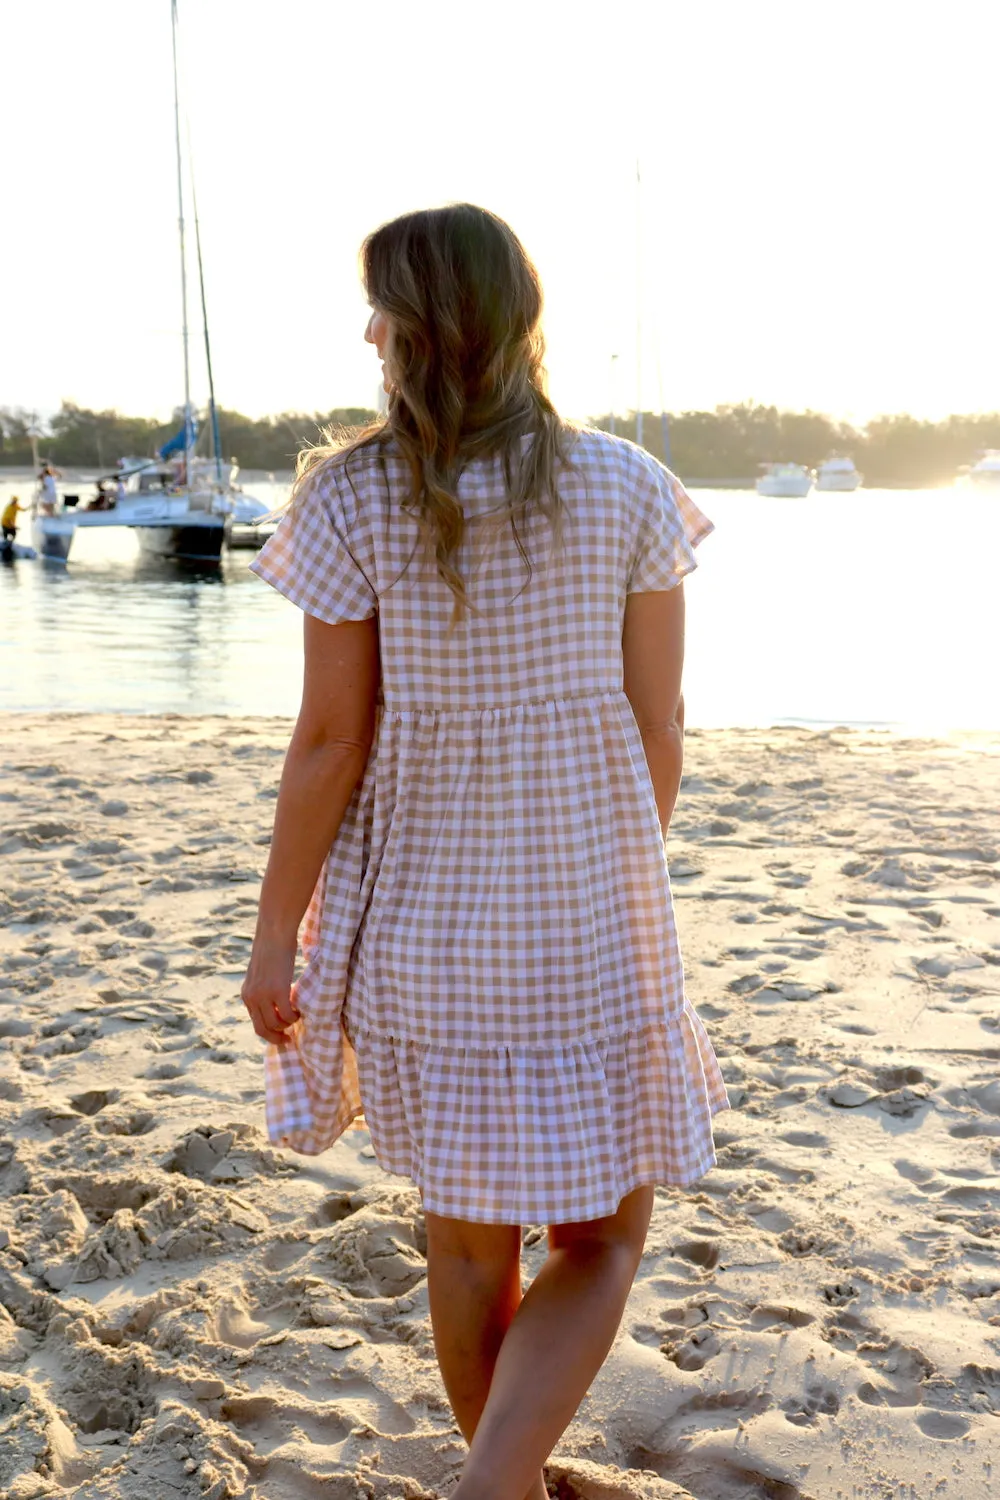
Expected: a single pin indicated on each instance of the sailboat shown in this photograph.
(178, 505)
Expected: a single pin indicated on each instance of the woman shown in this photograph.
(48, 497)
(475, 798)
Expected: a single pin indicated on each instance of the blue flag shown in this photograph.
(182, 440)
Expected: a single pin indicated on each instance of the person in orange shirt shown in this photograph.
(8, 521)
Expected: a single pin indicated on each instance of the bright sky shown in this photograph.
(819, 212)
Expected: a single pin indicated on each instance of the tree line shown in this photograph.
(78, 438)
(729, 443)
(732, 442)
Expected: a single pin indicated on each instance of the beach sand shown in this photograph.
(187, 1312)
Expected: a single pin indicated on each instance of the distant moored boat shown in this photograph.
(179, 505)
(785, 479)
(838, 473)
(985, 474)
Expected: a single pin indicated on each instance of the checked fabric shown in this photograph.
(492, 972)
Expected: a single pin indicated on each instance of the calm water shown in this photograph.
(880, 608)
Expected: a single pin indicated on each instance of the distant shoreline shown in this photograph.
(725, 447)
(19, 474)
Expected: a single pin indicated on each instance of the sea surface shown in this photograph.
(877, 609)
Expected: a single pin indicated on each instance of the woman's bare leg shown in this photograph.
(474, 1287)
(556, 1343)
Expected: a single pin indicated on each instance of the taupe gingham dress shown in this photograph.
(491, 965)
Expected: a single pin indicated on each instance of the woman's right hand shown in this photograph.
(267, 989)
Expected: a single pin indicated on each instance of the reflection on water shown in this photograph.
(873, 608)
(114, 630)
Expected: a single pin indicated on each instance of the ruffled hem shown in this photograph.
(311, 1093)
(543, 1135)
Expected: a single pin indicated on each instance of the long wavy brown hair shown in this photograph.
(464, 303)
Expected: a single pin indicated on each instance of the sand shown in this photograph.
(187, 1312)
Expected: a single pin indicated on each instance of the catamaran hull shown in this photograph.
(186, 543)
(52, 537)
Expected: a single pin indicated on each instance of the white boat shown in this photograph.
(186, 522)
(837, 473)
(985, 474)
(182, 508)
(785, 479)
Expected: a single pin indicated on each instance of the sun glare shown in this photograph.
(810, 225)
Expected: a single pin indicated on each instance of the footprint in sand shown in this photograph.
(896, 1078)
(716, 1410)
(787, 878)
(884, 1395)
(746, 984)
(333, 1208)
(272, 1423)
(231, 1323)
(837, 1293)
(987, 1096)
(67, 1036)
(915, 1172)
(970, 1129)
(693, 1351)
(14, 1026)
(802, 1242)
(818, 1400)
(92, 1101)
(164, 1070)
(701, 1253)
(138, 928)
(125, 1122)
(980, 1384)
(806, 952)
(773, 1315)
(284, 1253)
(941, 1424)
(808, 1140)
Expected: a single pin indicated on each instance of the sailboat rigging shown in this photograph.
(177, 507)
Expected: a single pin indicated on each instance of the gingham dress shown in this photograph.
(491, 966)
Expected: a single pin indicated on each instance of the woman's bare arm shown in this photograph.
(653, 651)
(326, 759)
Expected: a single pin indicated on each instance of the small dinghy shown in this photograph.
(252, 524)
(13, 551)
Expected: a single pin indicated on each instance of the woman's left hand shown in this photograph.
(267, 989)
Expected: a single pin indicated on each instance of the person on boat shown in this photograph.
(48, 495)
(102, 500)
(8, 521)
(473, 808)
(118, 494)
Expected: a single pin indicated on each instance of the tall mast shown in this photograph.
(214, 411)
(180, 226)
(664, 419)
(638, 305)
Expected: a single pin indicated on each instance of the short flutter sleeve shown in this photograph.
(317, 559)
(670, 527)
